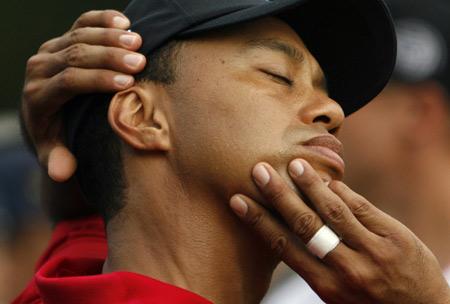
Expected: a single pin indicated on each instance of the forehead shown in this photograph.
(267, 34)
(260, 29)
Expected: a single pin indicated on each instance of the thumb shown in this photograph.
(61, 163)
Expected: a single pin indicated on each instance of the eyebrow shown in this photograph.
(288, 50)
(278, 46)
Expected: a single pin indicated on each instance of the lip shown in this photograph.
(328, 147)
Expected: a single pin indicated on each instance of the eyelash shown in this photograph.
(278, 77)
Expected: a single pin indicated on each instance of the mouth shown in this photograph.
(328, 148)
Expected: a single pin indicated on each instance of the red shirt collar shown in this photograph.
(69, 272)
(78, 281)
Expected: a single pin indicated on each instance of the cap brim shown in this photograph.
(353, 41)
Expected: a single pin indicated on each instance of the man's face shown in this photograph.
(244, 95)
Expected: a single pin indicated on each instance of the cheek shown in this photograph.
(220, 136)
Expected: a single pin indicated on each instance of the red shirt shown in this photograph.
(69, 272)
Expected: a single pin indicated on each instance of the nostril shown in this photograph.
(334, 131)
(322, 118)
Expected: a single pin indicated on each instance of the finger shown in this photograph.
(105, 18)
(87, 57)
(301, 219)
(94, 36)
(59, 89)
(329, 206)
(52, 153)
(61, 162)
(327, 280)
(278, 238)
(371, 217)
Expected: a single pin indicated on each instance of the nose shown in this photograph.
(323, 111)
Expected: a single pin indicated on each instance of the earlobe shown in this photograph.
(137, 116)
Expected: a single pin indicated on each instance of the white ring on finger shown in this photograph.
(323, 242)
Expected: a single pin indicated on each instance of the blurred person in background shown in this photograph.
(406, 171)
(24, 228)
(404, 138)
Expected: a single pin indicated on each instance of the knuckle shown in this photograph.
(44, 47)
(85, 15)
(29, 90)
(308, 180)
(354, 277)
(109, 35)
(335, 212)
(33, 62)
(278, 244)
(277, 193)
(256, 220)
(74, 54)
(360, 207)
(81, 20)
(361, 278)
(102, 79)
(304, 225)
(110, 54)
(74, 36)
(385, 258)
(385, 254)
(66, 78)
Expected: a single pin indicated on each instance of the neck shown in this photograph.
(188, 239)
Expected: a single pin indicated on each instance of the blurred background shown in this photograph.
(24, 230)
(25, 26)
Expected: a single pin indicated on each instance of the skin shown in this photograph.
(86, 59)
(95, 55)
(405, 167)
(235, 98)
(388, 262)
(204, 135)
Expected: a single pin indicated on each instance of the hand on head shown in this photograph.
(97, 54)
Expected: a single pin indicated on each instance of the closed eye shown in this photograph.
(279, 78)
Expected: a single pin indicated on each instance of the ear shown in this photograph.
(137, 116)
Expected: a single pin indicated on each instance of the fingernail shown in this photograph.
(296, 168)
(133, 60)
(121, 22)
(239, 206)
(123, 80)
(128, 40)
(261, 175)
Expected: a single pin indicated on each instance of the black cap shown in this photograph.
(423, 32)
(353, 40)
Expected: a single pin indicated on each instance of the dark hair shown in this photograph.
(98, 149)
